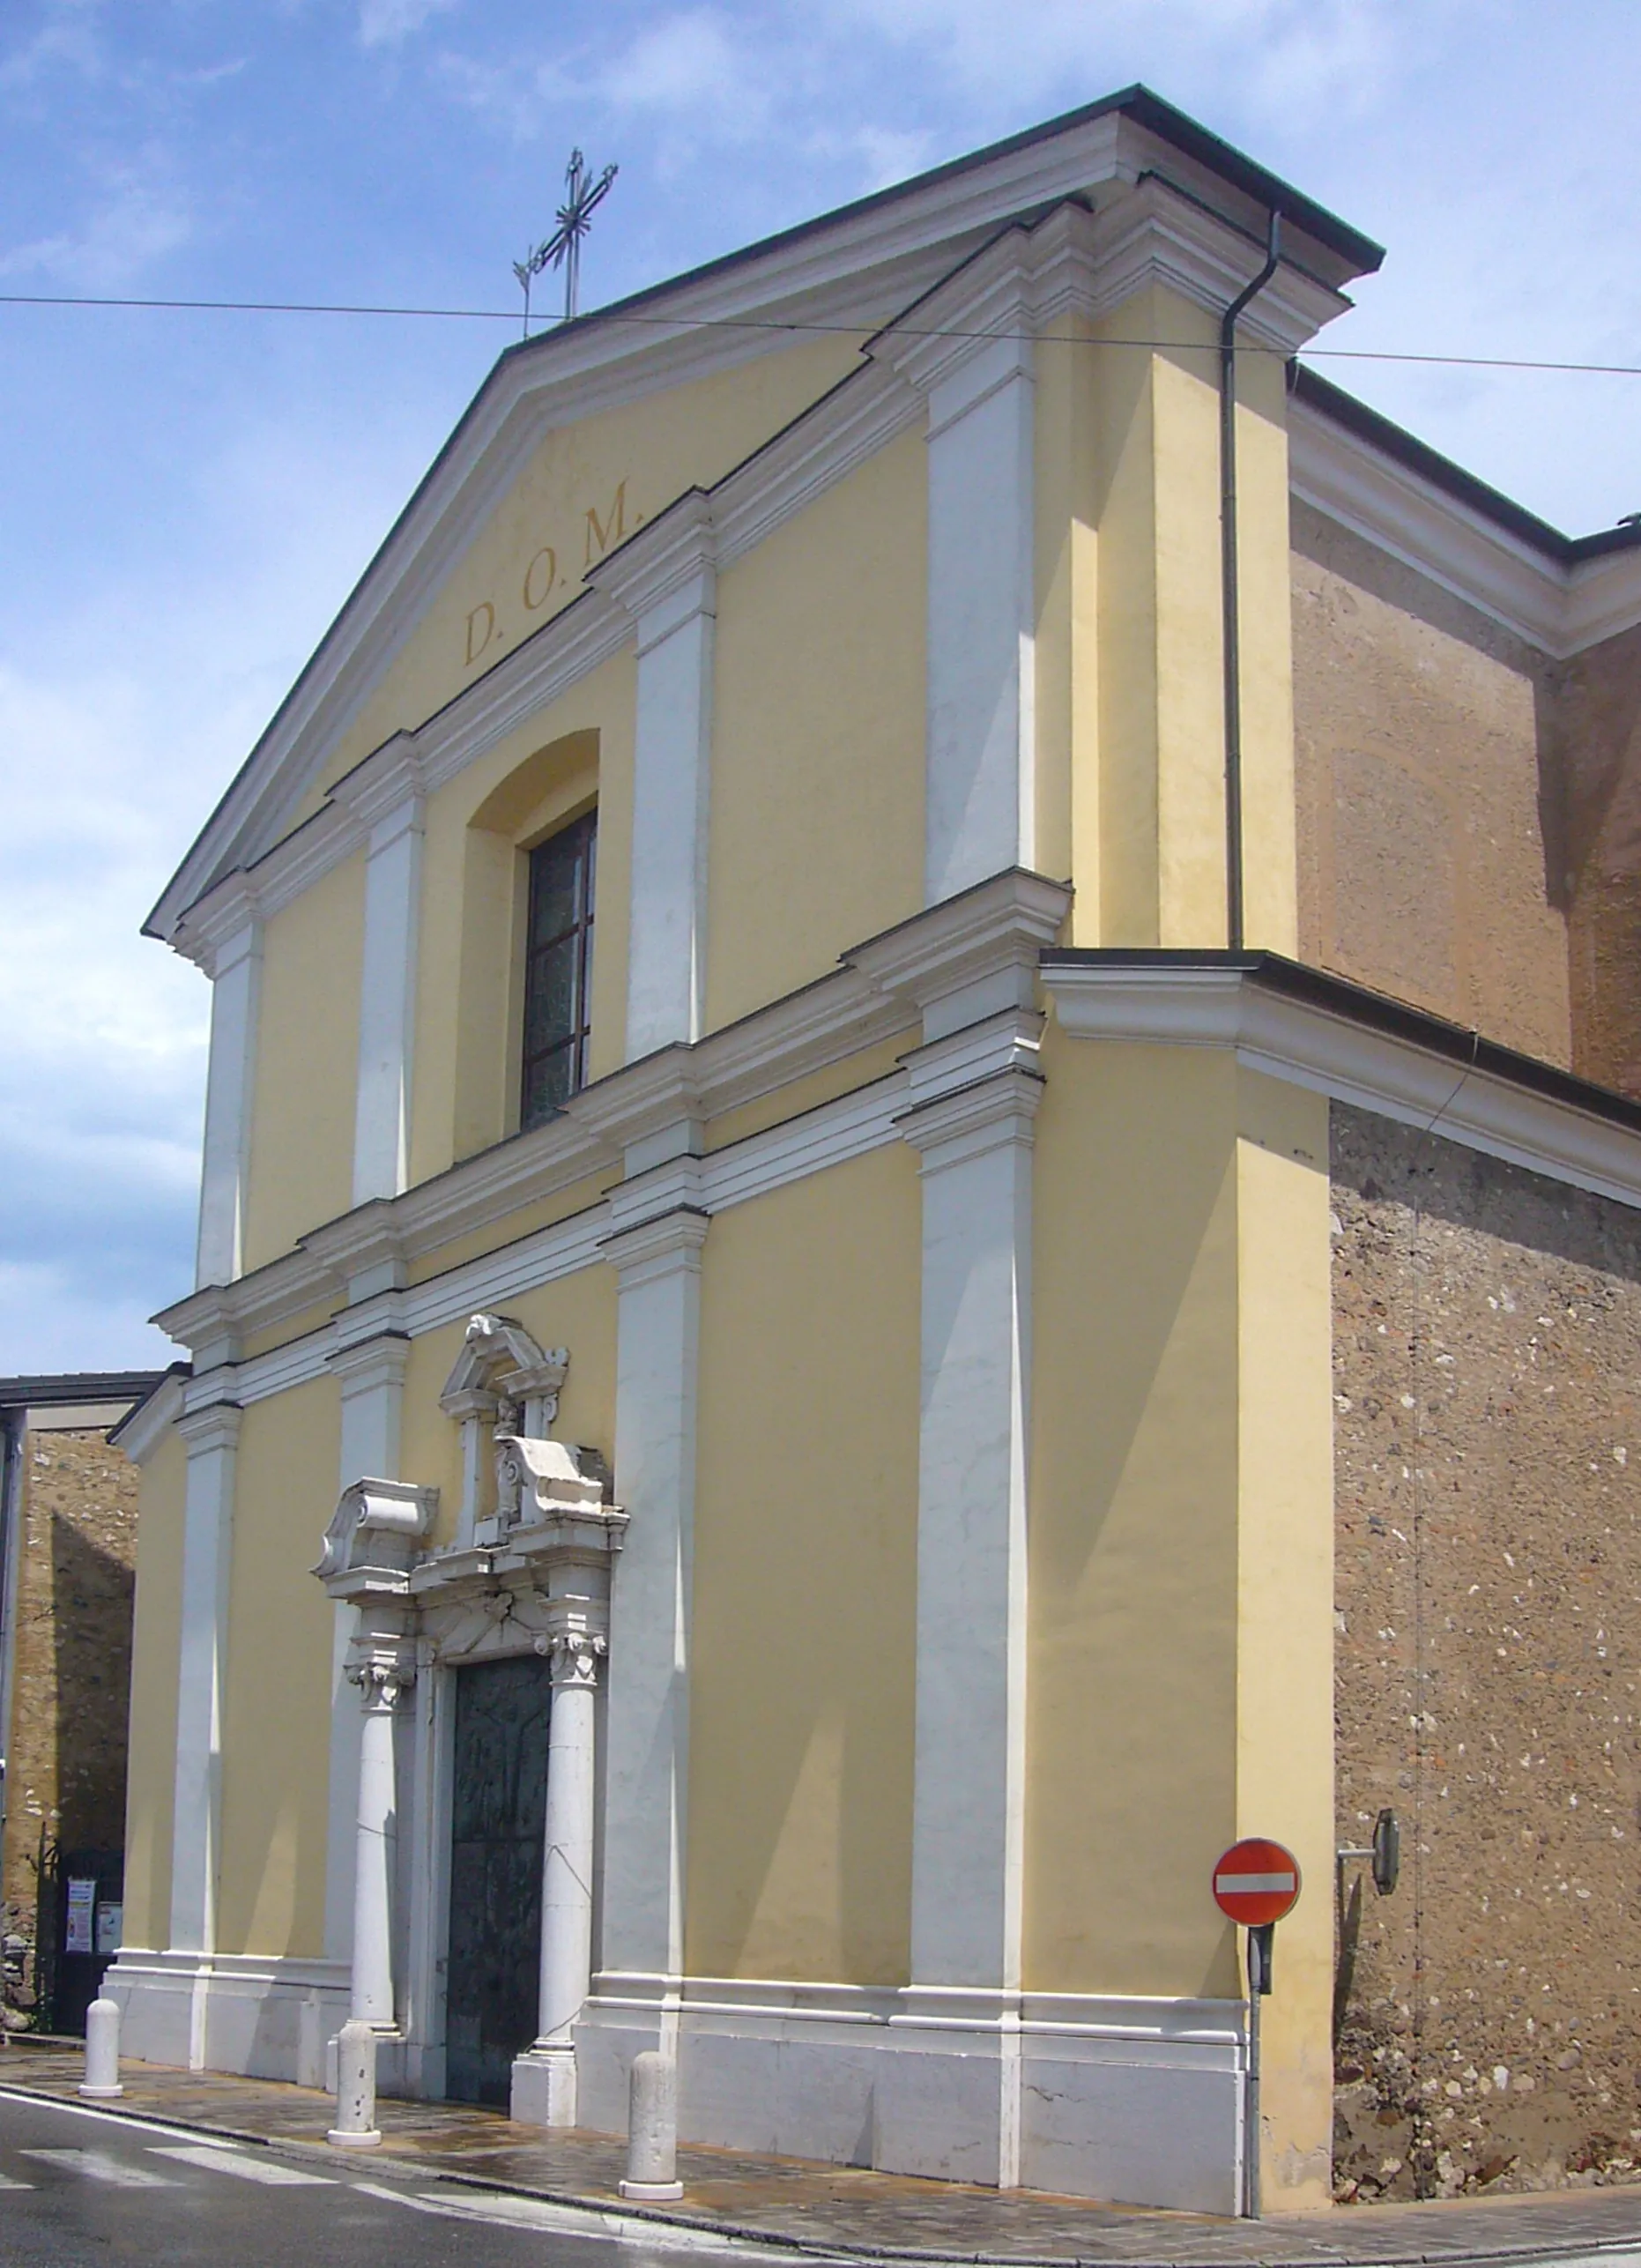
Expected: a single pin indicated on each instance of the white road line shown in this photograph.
(217, 2160)
(6, 2182)
(98, 2166)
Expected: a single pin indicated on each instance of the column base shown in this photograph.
(651, 2193)
(544, 2088)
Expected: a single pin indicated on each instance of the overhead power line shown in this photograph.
(845, 330)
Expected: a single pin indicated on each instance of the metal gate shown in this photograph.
(498, 1796)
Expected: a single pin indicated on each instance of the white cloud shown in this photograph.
(383, 23)
(142, 215)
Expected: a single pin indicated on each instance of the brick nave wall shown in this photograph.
(71, 1671)
(1488, 1458)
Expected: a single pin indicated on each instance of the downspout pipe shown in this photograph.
(1230, 589)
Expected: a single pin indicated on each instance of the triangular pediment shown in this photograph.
(829, 284)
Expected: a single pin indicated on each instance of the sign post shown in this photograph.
(1256, 1883)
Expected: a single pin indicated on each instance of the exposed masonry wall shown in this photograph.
(1601, 743)
(1487, 1450)
(71, 1672)
(1428, 779)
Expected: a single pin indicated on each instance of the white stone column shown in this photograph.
(235, 974)
(647, 1726)
(672, 598)
(566, 1870)
(980, 756)
(381, 1680)
(969, 1796)
(210, 1432)
(370, 1374)
(387, 1006)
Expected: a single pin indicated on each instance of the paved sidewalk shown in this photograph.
(838, 2212)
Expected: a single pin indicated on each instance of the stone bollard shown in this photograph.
(355, 2127)
(102, 2082)
(652, 2130)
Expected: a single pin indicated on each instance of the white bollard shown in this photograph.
(355, 2127)
(652, 2130)
(102, 2082)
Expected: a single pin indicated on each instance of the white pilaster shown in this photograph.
(567, 1874)
(980, 756)
(381, 1680)
(211, 1434)
(387, 1004)
(371, 1375)
(969, 1796)
(647, 1728)
(235, 970)
(673, 598)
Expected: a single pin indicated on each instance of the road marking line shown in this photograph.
(6, 2182)
(98, 2166)
(216, 2159)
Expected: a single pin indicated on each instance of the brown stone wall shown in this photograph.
(1428, 795)
(1487, 1448)
(71, 1670)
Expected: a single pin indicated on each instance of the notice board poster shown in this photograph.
(82, 1915)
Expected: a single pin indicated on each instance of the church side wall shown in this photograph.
(1487, 1354)
(801, 1692)
(1428, 795)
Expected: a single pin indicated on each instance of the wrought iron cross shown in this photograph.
(562, 248)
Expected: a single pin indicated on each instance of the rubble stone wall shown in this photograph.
(1488, 1458)
(72, 1676)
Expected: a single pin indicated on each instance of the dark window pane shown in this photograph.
(553, 872)
(559, 956)
(547, 1085)
(550, 995)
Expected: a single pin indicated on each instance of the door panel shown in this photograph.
(499, 1796)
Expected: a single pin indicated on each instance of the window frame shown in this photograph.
(580, 835)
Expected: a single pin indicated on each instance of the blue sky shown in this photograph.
(185, 498)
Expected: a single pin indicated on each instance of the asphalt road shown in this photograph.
(77, 2186)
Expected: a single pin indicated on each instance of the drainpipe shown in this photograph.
(14, 1434)
(1230, 588)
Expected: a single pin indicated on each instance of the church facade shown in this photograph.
(767, 1466)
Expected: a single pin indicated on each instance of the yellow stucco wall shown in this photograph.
(801, 1690)
(150, 1770)
(578, 1312)
(302, 1147)
(816, 813)
(1131, 1709)
(1160, 810)
(589, 483)
(276, 1712)
(1285, 1586)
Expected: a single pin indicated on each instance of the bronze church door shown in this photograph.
(499, 1796)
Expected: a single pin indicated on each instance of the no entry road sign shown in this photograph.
(1257, 1882)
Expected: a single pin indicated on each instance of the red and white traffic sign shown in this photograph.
(1256, 1882)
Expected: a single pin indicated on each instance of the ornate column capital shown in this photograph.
(383, 1681)
(573, 1656)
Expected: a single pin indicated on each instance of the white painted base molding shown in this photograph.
(1137, 2101)
(263, 2018)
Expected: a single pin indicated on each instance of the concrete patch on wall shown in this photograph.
(1488, 1453)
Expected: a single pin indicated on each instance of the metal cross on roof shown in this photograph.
(562, 248)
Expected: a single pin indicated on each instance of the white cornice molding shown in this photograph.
(1155, 235)
(1334, 1054)
(141, 1433)
(892, 986)
(1561, 610)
